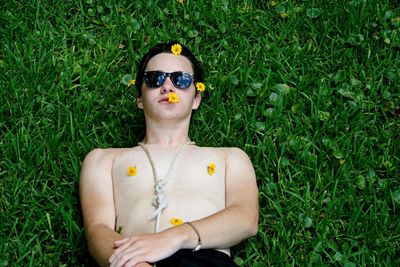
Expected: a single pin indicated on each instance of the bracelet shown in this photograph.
(199, 242)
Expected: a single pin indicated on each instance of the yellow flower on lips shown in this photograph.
(176, 49)
(173, 98)
(132, 171)
(211, 168)
(176, 221)
(200, 87)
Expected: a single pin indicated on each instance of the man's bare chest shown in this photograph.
(192, 182)
(191, 169)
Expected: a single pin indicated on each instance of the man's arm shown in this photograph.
(238, 221)
(96, 195)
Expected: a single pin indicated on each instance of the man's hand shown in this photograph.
(143, 248)
(143, 264)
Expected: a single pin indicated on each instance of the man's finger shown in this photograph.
(118, 243)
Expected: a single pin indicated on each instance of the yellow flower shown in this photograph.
(173, 98)
(341, 161)
(200, 87)
(284, 15)
(396, 19)
(131, 82)
(180, 1)
(132, 171)
(176, 49)
(211, 168)
(272, 3)
(176, 221)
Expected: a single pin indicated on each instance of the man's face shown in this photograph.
(154, 101)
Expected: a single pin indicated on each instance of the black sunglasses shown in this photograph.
(181, 80)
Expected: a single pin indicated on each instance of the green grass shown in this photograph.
(313, 98)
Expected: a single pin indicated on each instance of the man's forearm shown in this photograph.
(224, 229)
(100, 240)
(221, 230)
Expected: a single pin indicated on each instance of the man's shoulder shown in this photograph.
(227, 152)
(104, 154)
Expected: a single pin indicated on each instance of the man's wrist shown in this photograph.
(182, 236)
(199, 241)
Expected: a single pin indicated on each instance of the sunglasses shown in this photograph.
(180, 80)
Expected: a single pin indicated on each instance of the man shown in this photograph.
(168, 201)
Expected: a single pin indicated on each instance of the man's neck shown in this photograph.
(166, 135)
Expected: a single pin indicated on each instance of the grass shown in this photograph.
(309, 89)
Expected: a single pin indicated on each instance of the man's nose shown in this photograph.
(168, 86)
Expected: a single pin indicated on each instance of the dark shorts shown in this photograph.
(201, 258)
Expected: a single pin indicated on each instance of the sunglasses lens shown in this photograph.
(154, 79)
(181, 80)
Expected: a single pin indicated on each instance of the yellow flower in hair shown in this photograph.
(132, 171)
(176, 221)
(173, 98)
(176, 49)
(200, 87)
(211, 168)
(131, 82)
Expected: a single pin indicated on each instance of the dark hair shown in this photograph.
(166, 48)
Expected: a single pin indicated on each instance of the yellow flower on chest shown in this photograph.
(132, 171)
(211, 168)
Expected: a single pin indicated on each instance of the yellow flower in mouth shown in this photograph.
(131, 82)
(176, 49)
(176, 221)
(132, 171)
(200, 87)
(173, 98)
(211, 168)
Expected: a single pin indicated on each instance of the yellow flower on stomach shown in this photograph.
(173, 98)
(176, 221)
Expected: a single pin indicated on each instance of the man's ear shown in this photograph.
(139, 102)
(196, 100)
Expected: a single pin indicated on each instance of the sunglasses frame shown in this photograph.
(171, 75)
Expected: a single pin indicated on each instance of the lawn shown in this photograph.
(309, 89)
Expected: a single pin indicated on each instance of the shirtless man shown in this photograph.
(167, 201)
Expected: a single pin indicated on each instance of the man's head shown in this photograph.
(198, 72)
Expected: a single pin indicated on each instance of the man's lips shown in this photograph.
(164, 99)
